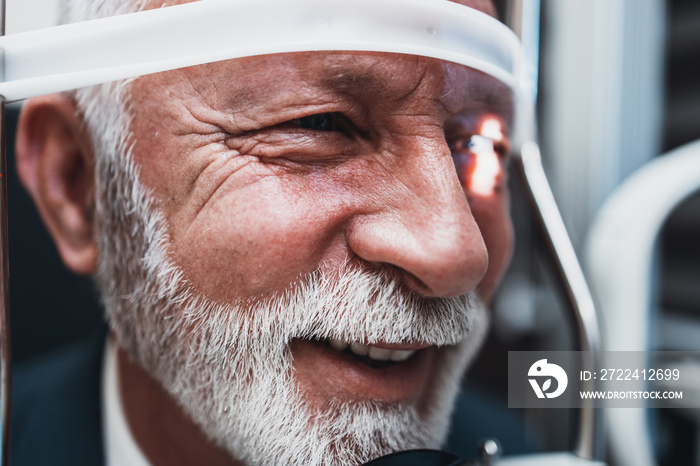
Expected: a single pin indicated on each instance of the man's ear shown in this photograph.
(56, 165)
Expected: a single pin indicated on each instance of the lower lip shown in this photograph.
(326, 373)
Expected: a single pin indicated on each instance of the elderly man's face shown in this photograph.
(314, 234)
(271, 168)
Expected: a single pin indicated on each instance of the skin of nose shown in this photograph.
(420, 223)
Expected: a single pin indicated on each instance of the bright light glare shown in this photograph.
(487, 164)
(491, 128)
(487, 167)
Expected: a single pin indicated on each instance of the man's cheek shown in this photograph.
(248, 247)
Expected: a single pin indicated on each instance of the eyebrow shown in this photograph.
(496, 98)
(346, 79)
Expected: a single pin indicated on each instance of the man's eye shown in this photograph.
(319, 122)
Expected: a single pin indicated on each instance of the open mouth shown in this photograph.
(388, 372)
(373, 356)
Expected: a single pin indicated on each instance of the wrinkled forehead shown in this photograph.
(370, 79)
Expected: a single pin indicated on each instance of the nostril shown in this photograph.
(454, 283)
(415, 283)
(410, 280)
(402, 276)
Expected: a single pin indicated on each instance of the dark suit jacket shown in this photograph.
(57, 415)
(56, 408)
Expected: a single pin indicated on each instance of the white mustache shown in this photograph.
(374, 306)
(356, 305)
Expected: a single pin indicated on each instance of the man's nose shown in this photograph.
(419, 221)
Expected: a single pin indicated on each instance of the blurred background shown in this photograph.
(619, 86)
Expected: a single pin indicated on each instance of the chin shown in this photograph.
(289, 394)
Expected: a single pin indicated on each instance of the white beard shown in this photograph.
(229, 364)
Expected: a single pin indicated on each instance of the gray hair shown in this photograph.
(120, 200)
(103, 107)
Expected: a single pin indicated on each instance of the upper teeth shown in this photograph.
(378, 354)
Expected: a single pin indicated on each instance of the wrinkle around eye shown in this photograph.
(212, 177)
(296, 144)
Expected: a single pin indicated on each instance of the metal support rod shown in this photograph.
(589, 439)
(524, 18)
(5, 362)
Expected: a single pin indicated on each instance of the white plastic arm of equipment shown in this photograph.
(620, 258)
(92, 52)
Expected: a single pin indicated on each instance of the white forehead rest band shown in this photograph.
(92, 52)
